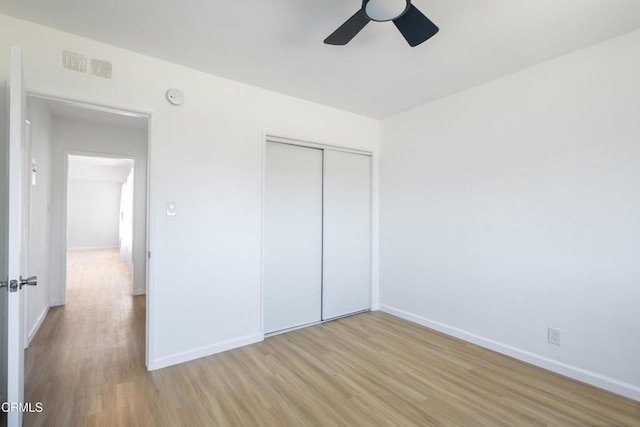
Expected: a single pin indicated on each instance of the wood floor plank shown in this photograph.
(86, 365)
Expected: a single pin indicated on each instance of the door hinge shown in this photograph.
(13, 285)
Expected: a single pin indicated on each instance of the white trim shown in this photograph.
(204, 351)
(268, 137)
(123, 110)
(607, 383)
(62, 290)
(36, 327)
(263, 178)
(375, 231)
(149, 261)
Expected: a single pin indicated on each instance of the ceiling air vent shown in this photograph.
(101, 68)
(74, 61)
(81, 63)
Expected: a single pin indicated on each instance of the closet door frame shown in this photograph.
(269, 137)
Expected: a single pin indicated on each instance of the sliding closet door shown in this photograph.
(347, 234)
(292, 236)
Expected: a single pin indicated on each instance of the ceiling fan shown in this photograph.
(414, 26)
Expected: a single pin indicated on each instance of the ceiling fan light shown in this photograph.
(385, 10)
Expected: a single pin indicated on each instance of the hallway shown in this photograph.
(84, 351)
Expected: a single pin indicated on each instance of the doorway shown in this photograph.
(90, 166)
(89, 204)
(100, 205)
(100, 199)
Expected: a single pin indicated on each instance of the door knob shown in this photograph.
(30, 281)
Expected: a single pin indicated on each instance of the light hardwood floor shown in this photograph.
(87, 366)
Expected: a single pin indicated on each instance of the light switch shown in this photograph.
(171, 208)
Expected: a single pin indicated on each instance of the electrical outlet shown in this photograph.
(553, 336)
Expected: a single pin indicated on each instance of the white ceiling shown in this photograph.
(99, 168)
(100, 161)
(277, 44)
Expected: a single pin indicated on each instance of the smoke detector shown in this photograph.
(175, 97)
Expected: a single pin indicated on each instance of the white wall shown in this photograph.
(85, 137)
(206, 156)
(101, 168)
(38, 298)
(515, 206)
(93, 214)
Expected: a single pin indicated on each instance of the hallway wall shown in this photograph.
(38, 298)
(93, 214)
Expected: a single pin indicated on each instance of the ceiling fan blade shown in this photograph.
(415, 27)
(349, 29)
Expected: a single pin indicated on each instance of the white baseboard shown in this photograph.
(36, 327)
(186, 356)
(138, 292)
(610, 384)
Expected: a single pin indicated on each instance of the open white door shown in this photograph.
(12, 297)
